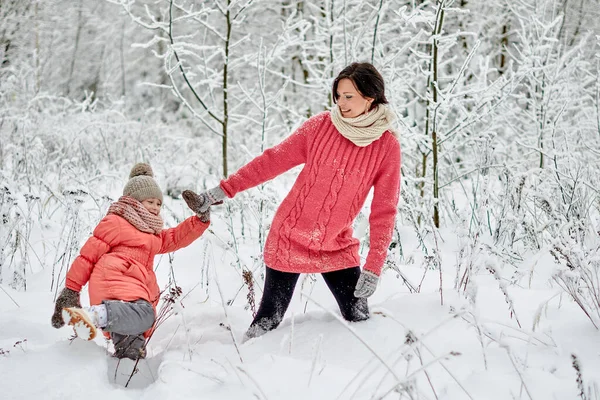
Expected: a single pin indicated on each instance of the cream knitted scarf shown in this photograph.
(137, 215)
(366, 128)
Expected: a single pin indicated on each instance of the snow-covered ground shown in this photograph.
(85, 92)
(412, 347)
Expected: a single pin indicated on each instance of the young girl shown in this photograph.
(117, 261)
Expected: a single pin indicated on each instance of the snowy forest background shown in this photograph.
(499, 106)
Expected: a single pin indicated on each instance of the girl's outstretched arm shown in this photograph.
(182, 235)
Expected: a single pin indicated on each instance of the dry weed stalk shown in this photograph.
(249, 282)
(581, 279)
(579, 379)
(413, 342)
(166, 310)
(592, 392)
(504, 289)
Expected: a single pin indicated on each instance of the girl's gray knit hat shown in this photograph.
(141, 184)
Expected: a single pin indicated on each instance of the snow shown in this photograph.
(474, 345)
(469, 352)
(517, 134)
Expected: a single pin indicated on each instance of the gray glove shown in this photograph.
(211, 197)
(366, 285)
(195, 203)
(66, 298)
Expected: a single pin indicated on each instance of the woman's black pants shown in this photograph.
(279, 288)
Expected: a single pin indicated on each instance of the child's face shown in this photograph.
(152, 205)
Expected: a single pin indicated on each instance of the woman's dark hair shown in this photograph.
(366, 79)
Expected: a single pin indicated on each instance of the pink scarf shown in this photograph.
(137, 215)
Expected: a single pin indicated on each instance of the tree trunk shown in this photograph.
(434, 92)
(225, 97)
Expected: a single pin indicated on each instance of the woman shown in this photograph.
(345, 153)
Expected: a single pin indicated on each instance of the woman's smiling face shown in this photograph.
(350, 102)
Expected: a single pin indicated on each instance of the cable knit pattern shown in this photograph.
(312, 229)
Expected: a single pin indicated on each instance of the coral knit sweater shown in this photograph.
(312, 229)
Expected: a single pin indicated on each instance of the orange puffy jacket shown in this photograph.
(118, 259)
